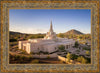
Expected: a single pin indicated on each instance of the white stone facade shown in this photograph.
(49, 43)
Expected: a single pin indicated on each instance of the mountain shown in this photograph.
(12, 32)
(74, 32)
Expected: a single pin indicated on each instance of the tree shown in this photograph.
(80, 37)
(79, 58)
(76, 44)
(13, 40)
(61, 47)
(32, 53)
(35, 61)
(87, 52)
(74, 56)
(86, 43)
(61, 35)
(82, 60)
(48, 56)
(69, 56)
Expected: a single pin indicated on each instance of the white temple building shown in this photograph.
(48, 44)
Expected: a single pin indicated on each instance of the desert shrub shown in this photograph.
(61, 47)
(38, 53)
(87, 52)
(86, 43)
(41, 52)
(32, 53)
(48, 56)
(31, 37)
(76, 44)
(63, 50)
(82, 60)
(12, 40)
(30, 57)
(35, 61)
(24, 52)
(79, 59)
(23, 57)
(19, 59)
(40, 36)
(11, 57)
(61, 35)
(16, 57)
(88, 60)
(69, 56)
(74, 56)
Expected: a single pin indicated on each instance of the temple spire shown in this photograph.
(50, 34)
(51, 29)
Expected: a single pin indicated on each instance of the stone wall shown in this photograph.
(45, 56)
(66, 60)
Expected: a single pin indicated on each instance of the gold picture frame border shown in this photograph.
(3, 6)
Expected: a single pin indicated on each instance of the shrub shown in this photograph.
(87, 52)
(48, 56)
(13, 40)
(41, 51)
(76, 44)
(24, 52)
(74, 56)
(23, 57)
(88, 60)
(82, 60)
(32, 53)
(38, 53)
(61, 47)
(86, 43)
(35, 61)
(79, 59)
(16, 57)
(61, 35)
(69, 56)
(30, 57)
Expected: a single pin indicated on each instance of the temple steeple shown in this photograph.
(51, 29)
(50, 34)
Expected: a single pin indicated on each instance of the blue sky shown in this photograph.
(38, 20)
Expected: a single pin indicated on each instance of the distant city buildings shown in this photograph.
(48, 44)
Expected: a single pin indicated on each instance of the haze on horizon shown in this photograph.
(34, 21)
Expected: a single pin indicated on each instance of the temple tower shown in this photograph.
(51, 34)
(51, 29)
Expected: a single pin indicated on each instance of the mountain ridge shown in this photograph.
(74, 32)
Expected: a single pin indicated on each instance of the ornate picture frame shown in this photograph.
(4, 36)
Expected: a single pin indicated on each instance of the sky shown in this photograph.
(35, 21)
